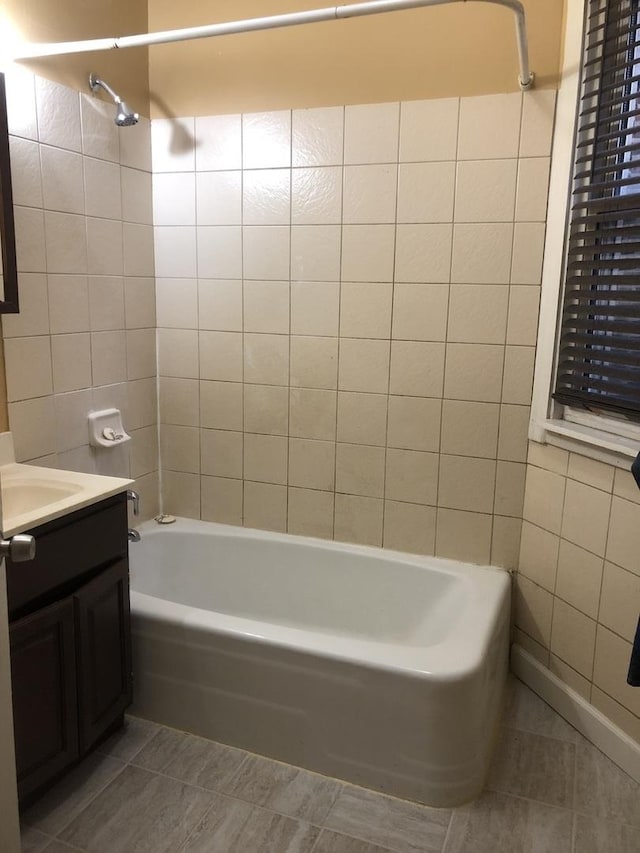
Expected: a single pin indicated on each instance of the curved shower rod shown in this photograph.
(312, 16)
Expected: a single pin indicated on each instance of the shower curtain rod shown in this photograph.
(312, 16)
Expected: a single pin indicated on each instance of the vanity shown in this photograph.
(68, 616)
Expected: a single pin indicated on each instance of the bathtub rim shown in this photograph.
(454, 658)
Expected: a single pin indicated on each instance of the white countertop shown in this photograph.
(32, 496)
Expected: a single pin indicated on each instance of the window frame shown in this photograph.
(601, 436)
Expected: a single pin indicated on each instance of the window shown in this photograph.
(598, 358)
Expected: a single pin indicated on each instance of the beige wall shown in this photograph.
(462, 49)
(71, 20)
(578, 585)
(85, 335)
(346, 344)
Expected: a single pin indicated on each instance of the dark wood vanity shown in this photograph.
(69, 630)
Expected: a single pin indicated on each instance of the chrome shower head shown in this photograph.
(125, 116)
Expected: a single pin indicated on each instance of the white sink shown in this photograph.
(33, 495)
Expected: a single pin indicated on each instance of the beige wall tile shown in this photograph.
(528, 249)
(221, 453)
(312, 464)
(591, 472)
(509, 496)
(220, 305)
(142, 402)
(219, 252)
(71, 412)
(33, 425)
(179, 401)
(573, 679)
(317, 136)
(409, 527)
(470, 429)
(180, 449)
(108, 357)
(536, 650)
(221, 405)
(139, 303)
(220, 356)
(371, 133)
(312, 414)
(610, 669)
(266, 255)
(28, 367)
(265, 506)
(363, 365)
(314, 362)
(429, 129)
(181, 494)
(533, 610)
(489, 126)
(266, 306)
(538, 555)
(478, 313)
(544, 499)
(177, 303)
(367, 252)
(315, 308)
(533, 183)
(473, 372)
(417, 368)
(423, 253)
(548, 457)
(420, 312)
(517, 380)
(463, 536)
(579, 578)
(106, 302)
(625, 486)
(485, 190)
(411, 476)
(370, 194)
(365, 310)
(573, 637)
(70, 361)
(68, 304)
(315, 253)
(586, 517)
(266, 359)
(522, 323)
(505, 541)
(623, 544)
(619, 601)
(425, 192)
(310, 513)
(414, 423)
(144, 456)
(482, 253)
(266, 197)
(358, 519)
(222, 500)
(177, 352)
(513, 435)
(360, 470)
(362, 418)
(266, 409)
(466, 483)
(30, 240)
(265, 458)
(316, 196)
(536, 130)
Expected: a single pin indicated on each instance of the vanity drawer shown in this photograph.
(67, 549)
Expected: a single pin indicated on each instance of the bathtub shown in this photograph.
(379, 668)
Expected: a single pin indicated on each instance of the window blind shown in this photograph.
(599, 346)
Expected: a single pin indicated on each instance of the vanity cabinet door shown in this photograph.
(104, 651)
(43, 676)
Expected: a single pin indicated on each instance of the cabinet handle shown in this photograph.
(19, 548)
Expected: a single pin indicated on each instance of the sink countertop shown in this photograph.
(53, 493)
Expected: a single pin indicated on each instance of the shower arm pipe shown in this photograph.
(312, 16)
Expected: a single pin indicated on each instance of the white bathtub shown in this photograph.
(376, 667)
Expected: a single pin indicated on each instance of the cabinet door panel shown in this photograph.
(43, 675)
(104, 651)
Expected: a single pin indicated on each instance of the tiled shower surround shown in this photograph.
(85, 335)
(347, 305)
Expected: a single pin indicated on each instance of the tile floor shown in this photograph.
(155, 790)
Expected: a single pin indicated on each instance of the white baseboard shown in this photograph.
(590, 722)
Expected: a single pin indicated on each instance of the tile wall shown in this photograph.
(578, 586)
(85, 335)
(347, 307)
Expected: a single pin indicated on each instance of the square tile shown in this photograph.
(266, 359)
(417, 369)
(485, 190)
(358, 519)
(311, 463)
(360, 470)
(365, 310)
(414, 423)
(420, 312)
(426, 192)
(363, 365)
(221, 500)
(409, 527)
(317, 136)
(371, 133)
(369, 194)
(265, 506)
(423, 253)
(429, 130)
(411, 476)
(310, 513)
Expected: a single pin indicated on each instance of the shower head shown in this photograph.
(124, 115)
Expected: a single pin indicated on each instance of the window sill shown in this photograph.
(587, 441)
